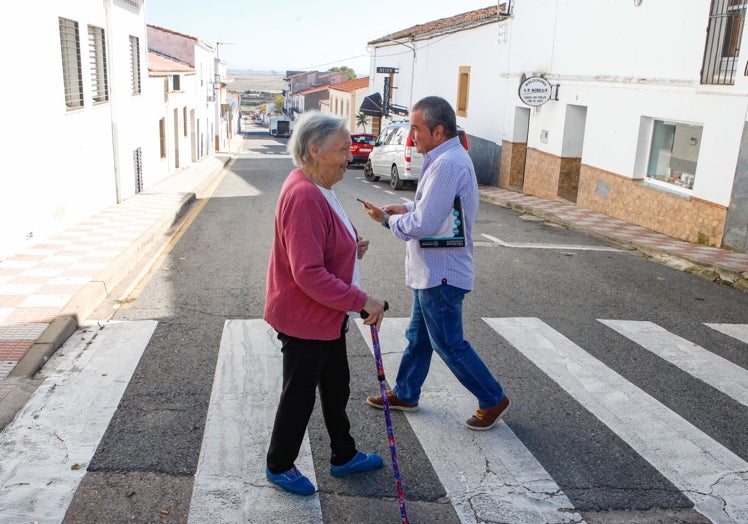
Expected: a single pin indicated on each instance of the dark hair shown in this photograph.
(437, 111)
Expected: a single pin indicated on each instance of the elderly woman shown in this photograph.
(312, 285)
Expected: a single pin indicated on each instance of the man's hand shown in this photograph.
(376, 213)
(395, 209)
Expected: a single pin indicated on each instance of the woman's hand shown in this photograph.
(361, 247)
(375, 311)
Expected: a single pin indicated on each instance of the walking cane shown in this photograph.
(388, 420)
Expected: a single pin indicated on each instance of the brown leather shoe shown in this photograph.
(394, 402)
(487, 418)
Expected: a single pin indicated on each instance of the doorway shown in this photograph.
(571, 152)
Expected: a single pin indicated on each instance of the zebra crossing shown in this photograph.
(488, 476)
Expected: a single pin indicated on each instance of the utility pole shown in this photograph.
(218, 48)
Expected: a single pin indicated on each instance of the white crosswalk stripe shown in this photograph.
(45, 450)
(716, 371)
(738, 331)
(230, 484)
(489, 476)
(712, 476)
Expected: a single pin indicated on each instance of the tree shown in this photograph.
(362, 120)
(350, 72)
(279, 102)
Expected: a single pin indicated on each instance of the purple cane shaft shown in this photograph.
(388, 420)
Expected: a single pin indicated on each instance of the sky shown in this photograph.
(298, 34)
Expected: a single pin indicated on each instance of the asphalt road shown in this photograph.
(565, 283)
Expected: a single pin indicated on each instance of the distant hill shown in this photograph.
(248, 80)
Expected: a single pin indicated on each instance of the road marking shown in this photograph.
(526, 245)
(712, 476)
(230, 483)
(153, 265)
(489, 476)
(738, 331)
(44, 452)
(718, 372)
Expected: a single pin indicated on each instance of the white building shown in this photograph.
(76, 108)
(173, 111)
(202, 116)
(346, 97)
(95, 127)
(642, 104)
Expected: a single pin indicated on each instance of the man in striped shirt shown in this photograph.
(439, 270)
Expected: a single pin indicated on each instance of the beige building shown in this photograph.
(345, 99)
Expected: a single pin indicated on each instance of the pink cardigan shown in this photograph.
(309, 276)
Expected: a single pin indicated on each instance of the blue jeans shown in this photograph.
(436, 325)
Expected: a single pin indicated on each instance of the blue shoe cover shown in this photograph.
(359, 462)
(292, 480)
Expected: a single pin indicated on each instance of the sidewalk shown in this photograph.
(45, 291)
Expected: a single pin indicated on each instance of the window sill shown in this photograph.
(664, 187)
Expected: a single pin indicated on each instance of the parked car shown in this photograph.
(361, 146)
(395, 157)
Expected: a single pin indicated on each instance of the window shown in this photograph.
(674, 153)
(401, 136)
(97, 58)
(135, 64)
(726, 20)
(132, 5)
(463, 89)
(388, 133)
(184, 118)
(71, 63)
(162, 136)
(176, 84)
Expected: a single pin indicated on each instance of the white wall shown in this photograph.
(655, 76)
(59, 162)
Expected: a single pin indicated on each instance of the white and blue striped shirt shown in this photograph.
(447, 172)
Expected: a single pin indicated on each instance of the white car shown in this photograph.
(395, 156)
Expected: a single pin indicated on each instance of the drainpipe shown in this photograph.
(112, 101)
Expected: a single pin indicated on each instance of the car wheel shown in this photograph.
(369, 172)
(395, 181)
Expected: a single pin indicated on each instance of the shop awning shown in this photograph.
(372, 105)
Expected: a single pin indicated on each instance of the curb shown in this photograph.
(91, 295)
(54, 336)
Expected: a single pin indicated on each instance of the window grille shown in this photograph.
(137, 162)
(722, 49)
(135, 64)
(131, 5)
(71, 63)
(97, 58)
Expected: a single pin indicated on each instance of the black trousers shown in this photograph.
(309, 365)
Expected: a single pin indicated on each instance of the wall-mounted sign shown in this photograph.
(386, 97)
(386, 69)
(535, 91)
